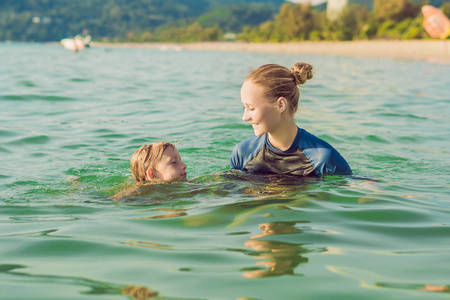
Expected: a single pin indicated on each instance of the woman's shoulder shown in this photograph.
(308, 140)
(324, 157)
(251, 143)
(244, 151)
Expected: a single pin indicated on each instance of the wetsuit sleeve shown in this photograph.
(328, 161)
(342, 167)
(236, 162)
(324, 158)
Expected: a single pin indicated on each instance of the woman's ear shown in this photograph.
(281, 104)
(150, 174)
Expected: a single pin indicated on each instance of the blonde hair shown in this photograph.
(146, 157)
(279, 81)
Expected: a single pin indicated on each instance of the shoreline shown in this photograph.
(436, 51)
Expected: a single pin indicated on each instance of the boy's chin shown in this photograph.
(178, 179)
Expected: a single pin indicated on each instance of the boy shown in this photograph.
(157, 161)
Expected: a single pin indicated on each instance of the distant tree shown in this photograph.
(147, 36)
(347, 24)
(296, 21)
(235, 17)
(192, 33)
(396, 10)
(105, 19)
(267, 32)
(446, 9)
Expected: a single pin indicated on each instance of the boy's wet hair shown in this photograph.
(146, 157)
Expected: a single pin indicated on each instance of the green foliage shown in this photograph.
(385, 29)
(234, 17)
(207, 20)
(415, 30)
(348, 24)
(446, 9)
(315, 35)
(396, 10)
(296, 21)
(407, 29)
(114, 20)
(293, 23)
(368, 30)
(391, 19)
(191, 33)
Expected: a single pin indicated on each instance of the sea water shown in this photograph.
(69, 124)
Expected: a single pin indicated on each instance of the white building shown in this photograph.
(334, 8)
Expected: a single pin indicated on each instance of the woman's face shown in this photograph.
(258, 110)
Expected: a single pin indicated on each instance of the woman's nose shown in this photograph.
(245, 116)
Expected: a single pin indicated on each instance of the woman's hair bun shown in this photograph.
(301, 72)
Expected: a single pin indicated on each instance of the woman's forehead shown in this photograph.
(251, 92)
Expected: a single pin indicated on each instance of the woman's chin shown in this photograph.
(258, 132)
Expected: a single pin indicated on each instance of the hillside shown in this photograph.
(234, 17)
(369, 3)
(144, 20)
(51, 20)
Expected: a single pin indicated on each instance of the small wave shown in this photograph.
(27, 83)
(415, 286)
(34, 140)
(75, 146)
(4, 150)
(402, 116)
(140, 141)
(113, 136)
(377, 139)
(79, 80)
(25, 183)
(50, 98)
(7, 133)
(408, 139)
(39, 154)
(388, 158)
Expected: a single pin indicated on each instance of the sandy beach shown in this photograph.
(436, 51)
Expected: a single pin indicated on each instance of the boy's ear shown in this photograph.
(150, 174)
(281, 104)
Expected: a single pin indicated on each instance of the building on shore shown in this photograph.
(334, 8)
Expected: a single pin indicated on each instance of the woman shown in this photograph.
(270, 97)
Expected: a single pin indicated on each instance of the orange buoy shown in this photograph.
(435, 23)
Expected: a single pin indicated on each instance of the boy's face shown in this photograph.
(170, 166)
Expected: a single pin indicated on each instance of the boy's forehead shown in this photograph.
(170, 152)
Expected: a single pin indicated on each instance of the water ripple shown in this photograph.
(38, 97)
(69, 202)
(34, 140)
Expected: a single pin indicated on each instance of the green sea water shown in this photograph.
(69, 124)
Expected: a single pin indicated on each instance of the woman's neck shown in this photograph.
(284, 135)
